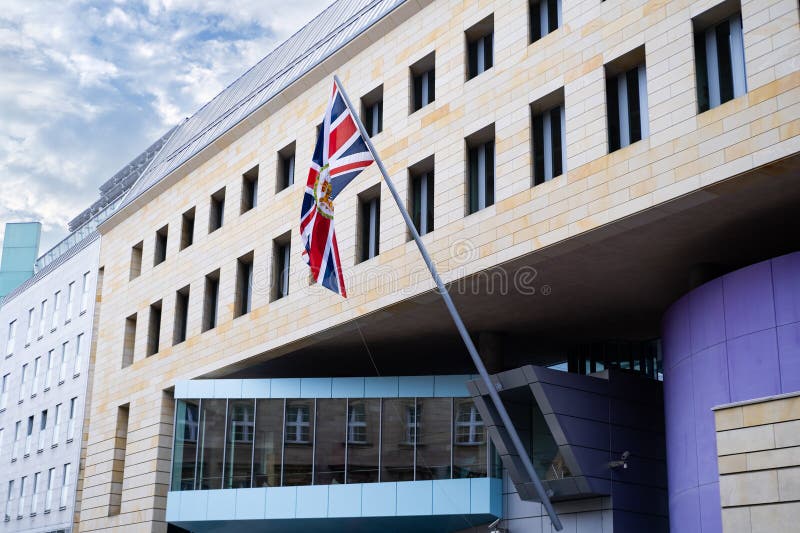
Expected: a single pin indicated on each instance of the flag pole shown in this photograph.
(462, 330)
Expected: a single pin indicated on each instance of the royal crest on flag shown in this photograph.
(340, 155)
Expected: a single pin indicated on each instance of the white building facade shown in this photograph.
(44, 371)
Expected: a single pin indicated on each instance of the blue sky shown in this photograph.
(85, 86)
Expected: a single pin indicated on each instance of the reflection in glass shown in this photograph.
(469, 447)
(212, 439)
(329, 451)
(433, 429)
(269, 443)
(363, 423)
(185, 451)
(547, 460)
(239, 448)
(399, 430)
(298, 439)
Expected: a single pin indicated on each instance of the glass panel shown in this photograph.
(399, 426)
(269, 436)
(363, 418)
(329, 450)
(469, 441)
(212, 439)
(239, 448)
(299, 435)
(433, 438)
(547, 460)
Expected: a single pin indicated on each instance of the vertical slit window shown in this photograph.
(548, 144)
(160, 251)
(720, 63)
(154, 329)
(249, 189)
(286, 167)
(187, 228)
(239, 445)
(118, 462)
(421, 196)
(136, 260)
(480, 185)
(211, 301)
(281, 255)
(372, 111)
(545, 17)
(181, 315)
(128, 341)
(244, 285)
(370, 214)
(626, 94)
(423, 82)
(480, 45)
(216, 215)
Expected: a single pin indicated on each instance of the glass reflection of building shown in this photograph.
(242, 443)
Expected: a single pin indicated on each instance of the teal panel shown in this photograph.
(379, 499)
(486, 496)
(315, 388)
(256, 388)
(450, 386)
(451, 496)
(227, 388)
(380, 387)
(285, 388)
(250, 504)
(18, 259)
(420, 386)
(344, 500)
(281, 502)
(221, 504)
(194, 504)
(415, 498)
(173, 506)
(312, 501)
(22, 234)
(347, 388)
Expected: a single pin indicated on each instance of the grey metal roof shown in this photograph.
(329, 31)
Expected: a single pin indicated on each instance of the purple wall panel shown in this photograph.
(720, 345)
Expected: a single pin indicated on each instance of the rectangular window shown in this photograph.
(42, 431)
(421, 195)
(9, 500)
(37, 370)
(286, 166)
(12, 338)
(17, 439)
(42, 317)
(480, 183)
(545, 16)
(423, 82)
(85, 293)
(129, 341)
(56, 309)
(21, 509)
(549, 132)
(23, 382)
(719, 57)
(35, 493)
(71, 422)
(29, 436)
(66, 485)
(369, 223)
(80, 346)
(372, 111)
(51, 363)
(160, 251)
(298, 442)
(70, 299)
(281, 254)
(62, 368)
(243, 300)
(29, 331)
(249, 189)
(480, 45)
(187, 228)
(211, 301)
(56, 426)
(4, 391)
(118, 463)
(626, 94)
(211, 455)
(48, 497)
(136, 260)
(216, 215)
(154, 329)
(181, 315)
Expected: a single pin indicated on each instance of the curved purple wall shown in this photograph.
(732, 339)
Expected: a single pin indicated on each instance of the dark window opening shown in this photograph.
(187, 228)
(286, 166)
(210, 300)
(181, 315)
(423, 82)
(244, 285)
(160, 254)
(217, 213)
(249, 189)
(154, 329)
(480, 46)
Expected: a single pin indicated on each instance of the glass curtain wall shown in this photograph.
(243, 443)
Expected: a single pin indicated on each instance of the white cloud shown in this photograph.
(87, 85)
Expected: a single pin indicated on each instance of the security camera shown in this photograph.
(622, 462)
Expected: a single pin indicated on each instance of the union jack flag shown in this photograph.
(340, 155)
